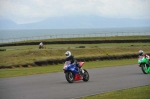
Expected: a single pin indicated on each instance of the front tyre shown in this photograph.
(85, 76)
(69, 77)
(144, 68)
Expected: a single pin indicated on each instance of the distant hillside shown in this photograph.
(77, 22)
(7, 24)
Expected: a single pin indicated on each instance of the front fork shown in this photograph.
(145, 66)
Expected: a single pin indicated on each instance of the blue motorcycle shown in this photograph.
(72, 73)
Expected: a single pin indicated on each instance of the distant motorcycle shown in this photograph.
(72, 73)
(41, 46)
(143, 63)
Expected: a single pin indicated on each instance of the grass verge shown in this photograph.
(132, 93)
(5, 73)
(22, 55)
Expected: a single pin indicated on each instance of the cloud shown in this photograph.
(26, 11)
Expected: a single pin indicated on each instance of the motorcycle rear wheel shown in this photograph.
(144, 68)
(69, 77)
(85, 76)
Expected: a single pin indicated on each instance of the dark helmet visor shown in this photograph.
(67, 54)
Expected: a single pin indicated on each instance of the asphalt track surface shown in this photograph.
(55, 86)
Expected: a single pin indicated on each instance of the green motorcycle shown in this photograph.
(143, 63)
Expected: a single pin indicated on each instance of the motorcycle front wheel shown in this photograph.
(85, 76)
(69, 77)
(144, 68)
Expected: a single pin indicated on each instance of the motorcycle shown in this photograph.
(72, 73)
(143, 63)
(41, 46)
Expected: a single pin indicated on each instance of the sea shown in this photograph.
(14, 35)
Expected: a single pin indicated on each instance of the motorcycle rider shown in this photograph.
(142, 54)
(70, 57)
(41, 45)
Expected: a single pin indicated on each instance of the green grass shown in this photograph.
(4, 73)
(17, 55)
(66, 46)
(142, 92)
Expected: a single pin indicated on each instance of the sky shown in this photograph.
(29, 11)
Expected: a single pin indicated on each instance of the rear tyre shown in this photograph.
(85, 76)
(144, 68)
(69, 77)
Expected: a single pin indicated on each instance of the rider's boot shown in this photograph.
(81, 71)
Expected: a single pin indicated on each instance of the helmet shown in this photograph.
(141, 52)
(68, 54)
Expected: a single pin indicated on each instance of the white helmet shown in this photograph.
(141, 52)
(68, 54)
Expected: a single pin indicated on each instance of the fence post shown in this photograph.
(62, 36)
